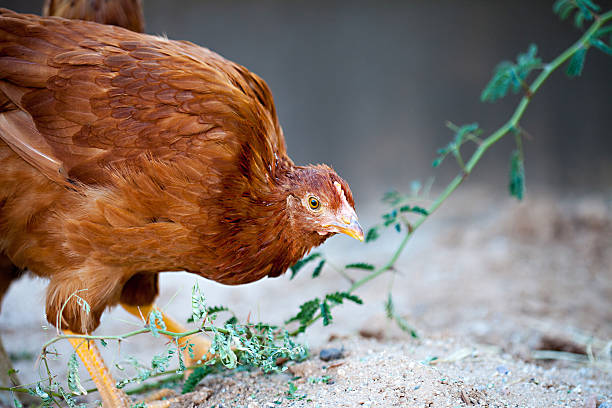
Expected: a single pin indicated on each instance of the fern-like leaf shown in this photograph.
(576, 63)
(216, 309)
(156, 322)
(361, 265)
(74, 381)
(318, 269)
(461, 136)
(511, 77)
(196, 376)
(306, 313)
(585, 10)
(325, 313)
(198, 304)
(602, 46)
(302, 262)
(372, 235)
(400, 321)
(414, 209)
(517, 175)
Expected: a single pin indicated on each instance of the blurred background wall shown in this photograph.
(367, 86)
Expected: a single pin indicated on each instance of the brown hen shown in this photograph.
(125, 155)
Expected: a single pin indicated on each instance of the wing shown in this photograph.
(122, 13)
(79, 97)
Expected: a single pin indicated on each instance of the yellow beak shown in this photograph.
(349, 227)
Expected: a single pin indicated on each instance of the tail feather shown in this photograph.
(123, 13)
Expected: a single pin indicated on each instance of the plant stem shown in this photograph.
(489, 141)
(124, 336)
(154, 385)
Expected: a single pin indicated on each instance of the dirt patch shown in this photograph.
(407, 374)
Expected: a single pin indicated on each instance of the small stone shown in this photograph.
(331, 354)
(502, 370)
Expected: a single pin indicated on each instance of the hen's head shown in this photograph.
(320, 202)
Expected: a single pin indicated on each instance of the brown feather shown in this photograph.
(134, 155)
(122, 13)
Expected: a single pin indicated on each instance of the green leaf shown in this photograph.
(325, 313)
(389, 218)
(338, 297)
(70, 402)
(461, 135)
(389, 306)
(603, 31)
(563, 8)
(232, 320)
(42, 394)
(584, 10)
(216, 309)
(463, 131)
(372, 235)
(517, 175)
(415, 209)
(160, 362)
(306, 313)
(156, 322)
(360, 265)
(302, 262)
(405, 326)
(602, 46)
(195, 377)
(392, 197)
(181, 368)
(589, 4)
(318, 269)
(400, 321)
(74, 382)
(511, 77)
(198, 304)
(576, 63)
(499, 85)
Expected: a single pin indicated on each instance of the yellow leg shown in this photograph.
(112, 397)
(200, 344)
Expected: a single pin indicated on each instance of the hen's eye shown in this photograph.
(314, 203)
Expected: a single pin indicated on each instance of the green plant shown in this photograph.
(264, 346)
(507, 77)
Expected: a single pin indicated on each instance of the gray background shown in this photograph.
(367, 86)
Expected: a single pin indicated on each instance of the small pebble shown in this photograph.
(502, 370)
(331, 354)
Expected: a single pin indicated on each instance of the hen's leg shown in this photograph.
(138, 298)
(88, 352)
(112, 397)
(200, 345)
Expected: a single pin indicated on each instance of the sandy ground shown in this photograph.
(487, 283)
